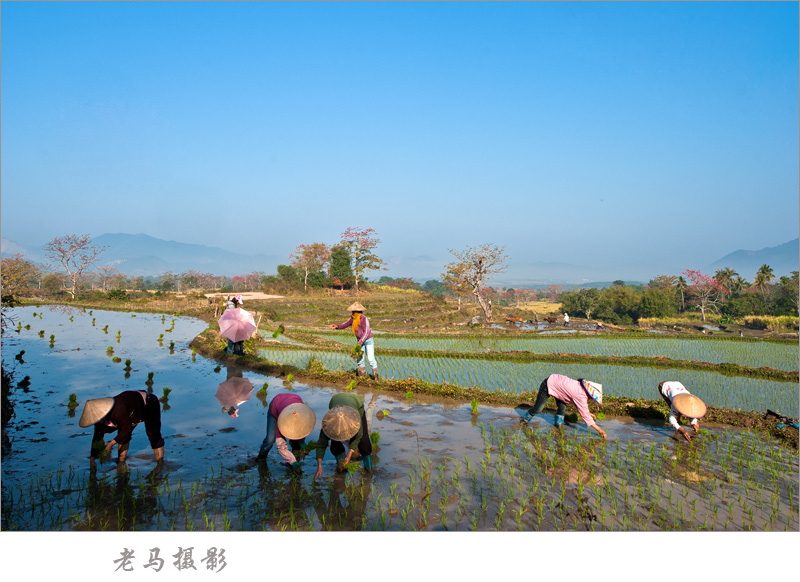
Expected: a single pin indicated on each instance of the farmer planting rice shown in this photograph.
(288, 418)
(345, 423)
(682, 403)
(568, 391)
(359, 323)
(121, 414)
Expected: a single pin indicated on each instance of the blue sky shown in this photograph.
(627, 139)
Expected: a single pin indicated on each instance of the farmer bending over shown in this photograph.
(288, 418)
(682, 403)
(121, 414)
(566, 390)
(360, 326)
(345, 423)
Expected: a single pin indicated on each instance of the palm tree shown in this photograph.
(725, 277)
(763, 278)
(681, 285)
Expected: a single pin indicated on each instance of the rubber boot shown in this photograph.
(375, 374)
(361, 371)
(159, 454)
(123, 452)
(559, 420)
(367, 460)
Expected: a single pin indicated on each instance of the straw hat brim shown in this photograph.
(689, 405)
(95, 410)
(296, 421)
(356, 307)
(341, 423)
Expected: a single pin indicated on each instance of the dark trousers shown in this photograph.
(364, 445)
(152, 421)
(541, 401)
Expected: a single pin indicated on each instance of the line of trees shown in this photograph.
(725, 294)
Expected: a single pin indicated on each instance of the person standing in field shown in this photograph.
(121, 414)
(568, 391)
(345, 423)
(682, 403)
(566, 320)
(288, 419)
(236, 348)
(359, 323)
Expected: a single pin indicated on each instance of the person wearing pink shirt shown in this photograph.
(568, 391)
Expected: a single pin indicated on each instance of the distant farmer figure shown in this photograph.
(566, 390)
(121, 414)
(288, 418)
(566, 320)
(361, 329)
(345, 423)
(236, 348)
(682, 403)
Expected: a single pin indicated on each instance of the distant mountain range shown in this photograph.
(143, 255)
(783, 259)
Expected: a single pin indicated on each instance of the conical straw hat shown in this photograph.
(94, 410)
(595, 390)
(689, 405)
(356, 307)
(296, 421)
(341, 423)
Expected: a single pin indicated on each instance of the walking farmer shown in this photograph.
(359, 323)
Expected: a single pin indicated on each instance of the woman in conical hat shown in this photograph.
(345, 422)
(288, 419)
(568, 391)
(121, 414)
(359, 323)
(682, 403)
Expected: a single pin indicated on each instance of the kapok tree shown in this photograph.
(76, 253)
(360, 243)
(309, 259)
(704, 291)
(474, 267)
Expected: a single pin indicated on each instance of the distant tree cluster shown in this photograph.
(724, 294)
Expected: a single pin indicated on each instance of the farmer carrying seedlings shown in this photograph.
(682, 403)
(360, 326)
(288, 418)
(345, 423)
(121, 414)
(566, 390)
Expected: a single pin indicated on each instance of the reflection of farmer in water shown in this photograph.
(121, 414)
(568, 391)
(682, 403)
(288, 418)
(360, 326)
(345, 422)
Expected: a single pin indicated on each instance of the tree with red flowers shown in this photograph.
(360, 243)
(704, 291)
(311, 258)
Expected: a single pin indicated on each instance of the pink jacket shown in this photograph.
(363, 333)
(570, 391)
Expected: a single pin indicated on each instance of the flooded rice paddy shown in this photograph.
(437, 465)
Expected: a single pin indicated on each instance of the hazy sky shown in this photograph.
(633, 138)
